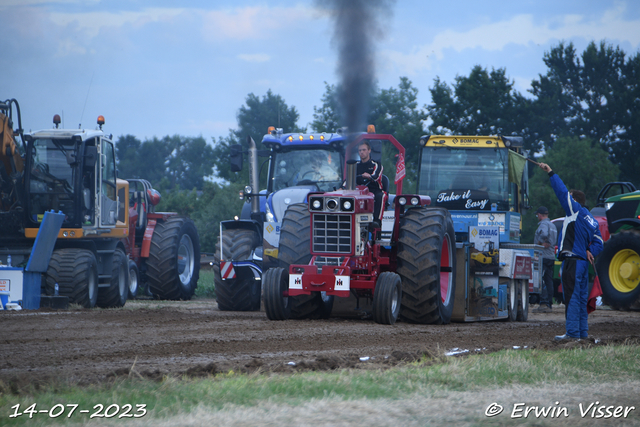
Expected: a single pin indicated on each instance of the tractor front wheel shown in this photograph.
(512, 300)
(76, 273)
(619, 270)
(134, 279)
(277, 303)
(427, 265)
(523, 300)
(241, 293)
(386, 298)
(118, 291)
(173, 267)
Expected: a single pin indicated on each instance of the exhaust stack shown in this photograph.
(253, 175)
(351, 174)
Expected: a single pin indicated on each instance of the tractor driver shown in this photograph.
(369, 173)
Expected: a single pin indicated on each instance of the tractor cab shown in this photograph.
(73, 172)
(469, 176)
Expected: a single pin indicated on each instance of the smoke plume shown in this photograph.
(357, 26)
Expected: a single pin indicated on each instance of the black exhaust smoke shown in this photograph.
(357, 27)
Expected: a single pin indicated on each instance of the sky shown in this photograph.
(166, 67)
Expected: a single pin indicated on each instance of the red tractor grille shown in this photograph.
(332, 233)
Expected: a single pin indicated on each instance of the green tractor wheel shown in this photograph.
(619, 270)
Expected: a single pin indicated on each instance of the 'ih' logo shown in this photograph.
(298, 281)
(339, 282)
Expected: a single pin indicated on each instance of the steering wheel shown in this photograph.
(308, 182)
(305, 174)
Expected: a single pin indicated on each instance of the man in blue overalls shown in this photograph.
(578, 244)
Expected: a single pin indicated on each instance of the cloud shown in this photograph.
(91, 23)
(246, 23)
(256, 57)
(522, 30)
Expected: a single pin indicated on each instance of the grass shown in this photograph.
(456, 389)
(206, 285)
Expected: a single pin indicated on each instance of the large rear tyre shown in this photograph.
(386, 298)
(277, 304)
(118, 291)
(76, 272)
(523, 300)
(243, 292)
(427, 265)
(619, 270)
(173, 267)
(295, 249)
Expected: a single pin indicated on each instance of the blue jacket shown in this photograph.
(580, 230)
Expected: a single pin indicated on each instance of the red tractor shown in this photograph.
(163, 248)
(332, 250)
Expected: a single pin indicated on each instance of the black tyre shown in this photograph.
(276, 284)
(619, 270)
(173, 266)
(243, 292)
(386, 298)
(427, 265)
(134, 279)
(118, 291)
(512, 300)
(523, 300)
(534, 299)
(76, 272)
(295, 248)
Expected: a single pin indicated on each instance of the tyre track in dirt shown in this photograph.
(194, 338)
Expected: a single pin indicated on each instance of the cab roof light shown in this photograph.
(300, 137)
(56, 120)
(371, 129)
(290, 138)
(100, 121)
(271, 130)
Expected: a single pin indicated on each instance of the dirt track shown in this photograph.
(157, 338)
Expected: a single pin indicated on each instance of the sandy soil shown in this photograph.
(156, 338)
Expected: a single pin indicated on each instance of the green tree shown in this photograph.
(593, 95)
(327, 117)
(395, 111)
(254, 119)
(128, 156)
(484, 103)
(207, 208)
(190, 162)
(581, 164)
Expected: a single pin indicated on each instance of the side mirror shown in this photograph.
(235, 158)
(90, 156)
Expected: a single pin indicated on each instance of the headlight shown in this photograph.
(347, 204)
(402, 201)
(415, 201)
(608, 205)
(247, 189)
(316, 203)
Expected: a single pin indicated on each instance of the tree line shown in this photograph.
(582, 117)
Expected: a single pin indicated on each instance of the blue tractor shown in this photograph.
(297, 163)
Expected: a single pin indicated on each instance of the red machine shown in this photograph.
(410, 273)
(164, 248)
